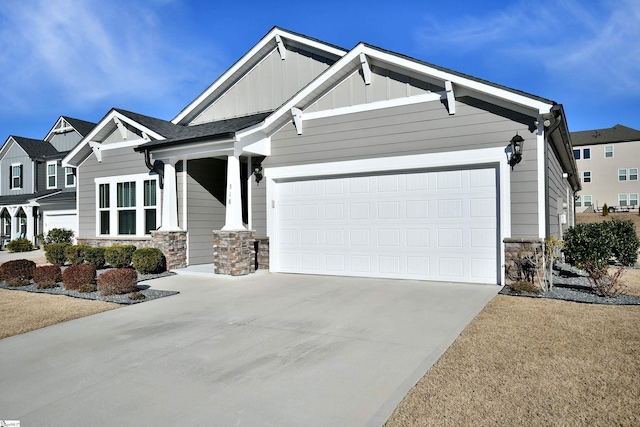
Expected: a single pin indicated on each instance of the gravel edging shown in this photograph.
(146, 290)
(577, 295)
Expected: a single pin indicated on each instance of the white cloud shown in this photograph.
(593, 45)
(82, 52)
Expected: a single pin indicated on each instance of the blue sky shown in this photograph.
(79, 58)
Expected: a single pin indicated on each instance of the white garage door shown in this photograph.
(59, 220)
(428, 226)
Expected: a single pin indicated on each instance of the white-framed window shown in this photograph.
(52, 172)
(576, 154)
(586, 176)
(622, 174)
(69, 177)
(586, 153)
(622, 200)
(586, 201)
(633, 174)
(608, 151)
(633, 199)
(127, 205)
(15, 176)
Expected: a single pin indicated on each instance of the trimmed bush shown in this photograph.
(47, 276)
(86, 288)
(58, 235)
(137, 296)
(523, 287)
(19, 245)
(605, 210)
(118, 281)
(18, 272)
(77, 275)
(148, 260)
(95, 257)
(75, 254)
(55, 253)
(626, 242)
(119, 256)
(589, 244)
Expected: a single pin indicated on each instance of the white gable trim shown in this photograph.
(118, 119)
(270, 38)
(8, 144)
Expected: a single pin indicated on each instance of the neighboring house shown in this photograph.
(358, 162)
(608, 162)
(36, 192)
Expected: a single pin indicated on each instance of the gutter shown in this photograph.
(152, 167)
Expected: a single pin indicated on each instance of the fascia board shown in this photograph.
(7, 145)
(52, 128)
(195, 149)
(138, 126)
(246, 58)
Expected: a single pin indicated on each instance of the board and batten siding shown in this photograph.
(267, 86)
(65, 141)
(15, 154)
(122, 161)
(206, 181)
(418, 129)
(556, 191)
(258, 207)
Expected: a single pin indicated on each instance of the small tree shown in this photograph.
(605, 210)
(58, 235)
(552, 249)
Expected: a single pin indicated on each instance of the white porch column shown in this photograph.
(169, 199)
(15, 223)
(233, 219)
(28, 210)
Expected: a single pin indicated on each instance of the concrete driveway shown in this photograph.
(262, 350)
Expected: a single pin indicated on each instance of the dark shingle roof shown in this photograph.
(213, 130)
(163, 127)
(35, 147)
(618, 133)
(19, 199)
(83, 127)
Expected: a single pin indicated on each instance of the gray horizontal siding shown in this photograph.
(205, 207)
(123, 161)
(418, 129)
(267, 86)
(259, 208)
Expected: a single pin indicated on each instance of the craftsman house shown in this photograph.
(36, 192)
(608, 162)
(360, 162)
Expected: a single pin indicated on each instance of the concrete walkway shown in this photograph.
(266, 349)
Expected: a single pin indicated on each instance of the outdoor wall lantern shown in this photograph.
(257, 172)
(514, 150)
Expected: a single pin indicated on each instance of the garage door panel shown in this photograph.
(429, 225)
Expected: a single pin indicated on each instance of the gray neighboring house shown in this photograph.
(36, 192)
(608, 161)
(360, 162)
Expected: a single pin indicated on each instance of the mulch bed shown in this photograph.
(146, 290)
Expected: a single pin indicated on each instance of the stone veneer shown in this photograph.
(263, 252)
(173, 245)
(234, 252)
(514, 247)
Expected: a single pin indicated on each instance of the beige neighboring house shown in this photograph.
(608, 161)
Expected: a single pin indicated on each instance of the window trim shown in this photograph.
(67, 174)
(620, 175)
(584, 176)
(630, 175)
(633, 199)
(576, 153)
(624, 202)
(53, 163)
(586, 153)
(605, 151)
(584, 202)
(14, 177)
(113, 209)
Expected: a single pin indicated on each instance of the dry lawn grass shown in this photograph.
(22, 312)
(533, 362)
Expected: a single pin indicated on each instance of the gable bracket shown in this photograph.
(95, 147)
(297, 119)
(281, 49)
(121, 128)
(451, 97)
(366, 69)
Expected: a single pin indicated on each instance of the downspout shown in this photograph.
(152, 167)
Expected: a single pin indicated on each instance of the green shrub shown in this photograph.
(20, 245)
(76, 254)
(95, 257)
(605, 210)
(58, 235)
(119, 256)
(77, 275)
(55, 253)
(118, 281)
(47, 276)
(589, 244)
(18, 272)
(626, 242)
(148, 260)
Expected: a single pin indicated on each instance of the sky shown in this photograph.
(80, 58)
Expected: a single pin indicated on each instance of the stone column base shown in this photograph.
(173, 245)
(518, 250)
(233, 252)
